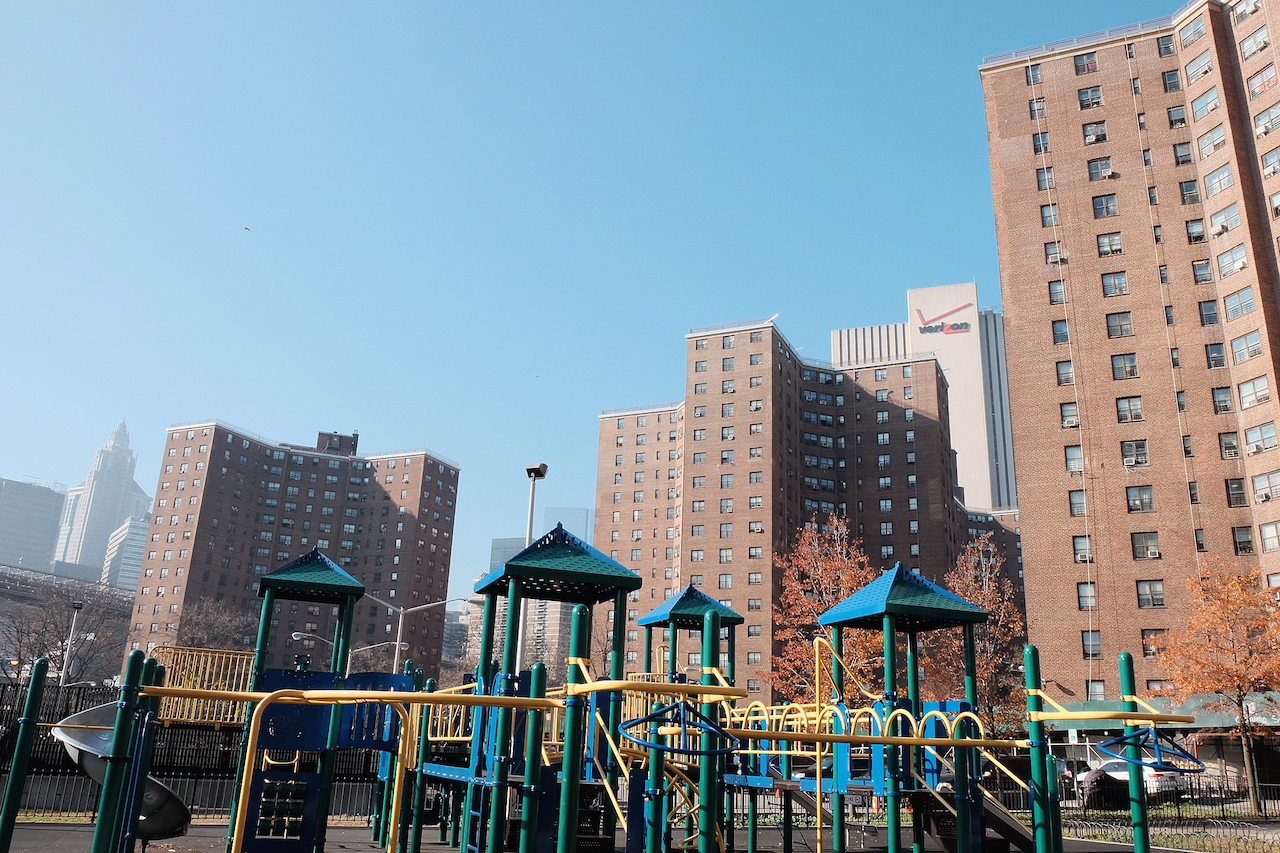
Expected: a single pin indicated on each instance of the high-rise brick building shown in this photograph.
(232, 506)
(1136, 201)
(709, 489)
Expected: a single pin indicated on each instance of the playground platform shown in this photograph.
(78, 838)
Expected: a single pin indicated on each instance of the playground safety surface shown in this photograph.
(78, 838)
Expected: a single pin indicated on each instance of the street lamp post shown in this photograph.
(76, 607)
(300, 635)
(535, 472)
(403, 611)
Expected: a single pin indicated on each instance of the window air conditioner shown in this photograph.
(1090, 139)
(1262, 130)
(1130, 461)
(1106, 173)
(1262, 496)
(1271, 170)
(1254, 448)
(1084, 556)
(1067, 423)
(1054, 257)
(1212, 107)
(1220, 230)
(1152, 553)
(1241, 264)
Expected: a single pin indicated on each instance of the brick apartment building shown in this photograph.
(710, 489)
(231, 506)
(1136, 201)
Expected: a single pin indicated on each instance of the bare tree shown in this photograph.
(214, 625)
(42, 628)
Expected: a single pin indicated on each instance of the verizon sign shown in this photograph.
(938, 325)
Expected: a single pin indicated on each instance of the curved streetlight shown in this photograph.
(300, 635)
(402, 611)
(535, 472)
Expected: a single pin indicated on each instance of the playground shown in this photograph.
(651, 760)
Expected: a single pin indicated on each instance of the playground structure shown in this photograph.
(504, 763)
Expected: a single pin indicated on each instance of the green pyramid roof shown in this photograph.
(918, 605)
(561, 567)
(312, 577)
(688, 609)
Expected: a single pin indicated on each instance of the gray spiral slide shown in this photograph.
(161, 814)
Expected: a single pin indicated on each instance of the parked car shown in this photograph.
(1160, 785)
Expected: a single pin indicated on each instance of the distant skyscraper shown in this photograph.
(125, 550)
(29, 517)
(98, 506)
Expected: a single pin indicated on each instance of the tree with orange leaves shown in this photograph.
(823, 567)
(978, 578)
(1229, 650)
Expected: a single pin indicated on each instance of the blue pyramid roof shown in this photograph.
(561, 567)
(688, 609)
(918, 605)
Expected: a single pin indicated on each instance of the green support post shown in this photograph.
(913, 697)
(27, 727)
(502, 743)
(424, 756)
(575, 718)
(534, 725)
(338, 666)
(244, 760)
(456, 801)
(708, 798)
(893, 806)
(1055, 803)
(483, 671)
(1133, 754)
(1036, 735)
(152, 676)
(106, 833)
(671, 652)
(654, 813)
(648, 649)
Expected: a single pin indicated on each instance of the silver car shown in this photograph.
(1159, 784)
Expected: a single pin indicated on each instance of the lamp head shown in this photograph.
(298, 635)
(536, 472)
(77, 605)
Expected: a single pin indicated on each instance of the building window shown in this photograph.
(1139, 498)
(1066, 375)
(1095, 690)
(1082, 549)
(1128, 409)
(1090, 97)
(1095, 132)
(1091, 644)
(1044, 178)
(1036, 106)
(1134, 452)
(1087, 595)
(1232, 261)
(1200, 271)
(1209, 313)
(1253, 43)
(1205, 104)
(1040, 142)
(1262, 81)
(1151, 641)
(1151, 593)
(1060, 334)
(1057, 293)
(1177, 117)
(1215, 355)
(1270, 534)
(1103, 206)
(1048, 215)
(1109, 244)
(1076, 500)
(1239, 303)
(1218, 180)
(1243, 539)
(1124, 366)
(726, 555)
(1086, 63)
(1146, 546)
(1211, 141)
(1074, 457)
(1260, 438)
(1253, 392)
(1119, 325)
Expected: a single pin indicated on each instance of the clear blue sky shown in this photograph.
(472, 226)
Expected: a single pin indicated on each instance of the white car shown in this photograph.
(1159, 784)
